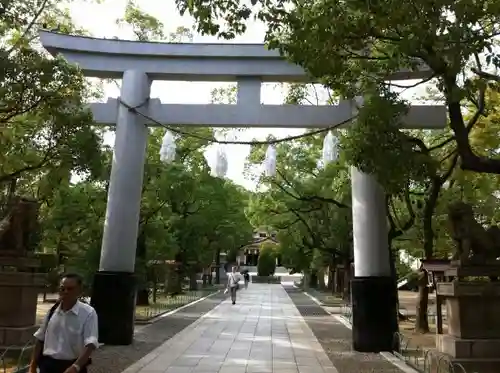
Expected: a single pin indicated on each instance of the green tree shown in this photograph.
(47, 133)
(266, 265)
(371, 41)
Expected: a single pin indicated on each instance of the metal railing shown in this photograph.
(346, 312)
(419, 358)
(169, 303)
(10, 363)
(424, 360)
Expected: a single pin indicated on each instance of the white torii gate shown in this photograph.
(138, 63)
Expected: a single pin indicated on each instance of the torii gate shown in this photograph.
(138, 63)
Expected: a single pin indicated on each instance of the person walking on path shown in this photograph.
(68, 334)
(246, 277)
(232, 284)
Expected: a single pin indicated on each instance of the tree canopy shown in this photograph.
(353, 47)
(52, 151)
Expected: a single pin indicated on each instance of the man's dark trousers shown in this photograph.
(50, 365)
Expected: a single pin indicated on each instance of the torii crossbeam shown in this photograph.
(138, 63)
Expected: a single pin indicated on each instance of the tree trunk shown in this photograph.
(193, 280)
(346, 283)
(422, 322)
(331, 282)
(142, 298)
(313, 280)
(205, 277)
(155, 286)
(321, 279)
(394, 276)
(306, 279)
(172, 283)
(217, 267)
(337, 282)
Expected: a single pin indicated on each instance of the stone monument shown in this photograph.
(472, 299)
(19, 285)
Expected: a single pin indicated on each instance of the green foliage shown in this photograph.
(375, 141)
(144, 26)
(308, 207)
(47, 132)
(53, 152)
(266, 265)
(352, 46)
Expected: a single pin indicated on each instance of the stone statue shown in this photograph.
(17, 226)
(474, 243)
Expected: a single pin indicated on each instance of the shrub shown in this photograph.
(267, 262)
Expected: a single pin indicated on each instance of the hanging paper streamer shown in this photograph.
(330, 148)
(270, 161)
(168, 147)
(220, 166)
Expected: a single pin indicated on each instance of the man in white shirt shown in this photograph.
(232, 283)
(68, 334)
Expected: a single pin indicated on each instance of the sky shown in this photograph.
(100, 21)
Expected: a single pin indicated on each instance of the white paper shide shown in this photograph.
(219, 168)
(330, 148)
(168, 148)
(270, 161)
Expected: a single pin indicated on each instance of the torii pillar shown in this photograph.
(113, 293)
(373, 293)
(114, 289)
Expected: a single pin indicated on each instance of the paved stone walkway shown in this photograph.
(336, 339)
(114, 359)
(263, 333)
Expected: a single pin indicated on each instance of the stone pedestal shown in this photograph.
(473, 338)
(19, 295)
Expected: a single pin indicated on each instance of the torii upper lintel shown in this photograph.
(110, 58)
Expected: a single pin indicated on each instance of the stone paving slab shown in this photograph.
(114, 359)
(336, 339)
(263, 333)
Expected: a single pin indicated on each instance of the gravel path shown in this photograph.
(335, 339)
(115, 359)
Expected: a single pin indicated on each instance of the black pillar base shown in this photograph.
(113, 297)
(374, 314)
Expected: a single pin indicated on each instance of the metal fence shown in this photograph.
(419, 358)
(424, 360)
(15, 359)
(169, 303)
(346, 312)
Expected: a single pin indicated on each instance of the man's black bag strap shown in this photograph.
(49, 316)
(51, 312)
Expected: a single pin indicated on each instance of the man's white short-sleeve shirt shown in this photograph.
(67, 333)
(233, 279)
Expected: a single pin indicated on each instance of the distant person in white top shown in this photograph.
(232, 284)
(68, 334)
